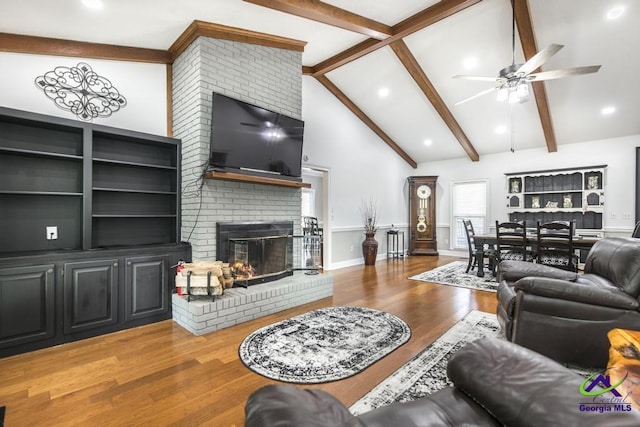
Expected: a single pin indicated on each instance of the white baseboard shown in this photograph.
(352, 262)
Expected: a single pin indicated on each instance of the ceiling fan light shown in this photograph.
(503, 94)
(522, 90)
(513, 97)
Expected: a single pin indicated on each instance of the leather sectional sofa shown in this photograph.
(566, 316)
(495, 383)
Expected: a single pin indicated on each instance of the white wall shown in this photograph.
(361, 166)
(143, 85)
(618, 154)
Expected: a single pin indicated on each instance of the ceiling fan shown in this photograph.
(512, 81)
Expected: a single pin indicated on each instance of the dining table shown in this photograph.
(490, 240)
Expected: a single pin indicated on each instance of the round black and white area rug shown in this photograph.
(323, 345)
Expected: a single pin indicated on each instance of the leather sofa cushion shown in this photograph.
(617, 259)
(515, 270)
(596, 292)
(521, 387)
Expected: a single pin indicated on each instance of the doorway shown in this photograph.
(315, 203)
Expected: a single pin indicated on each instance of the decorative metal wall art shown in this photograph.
(81, 91)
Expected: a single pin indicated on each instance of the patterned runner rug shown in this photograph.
(323, 345)
(426, 372)
(453, 274)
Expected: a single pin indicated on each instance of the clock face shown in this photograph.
(423, 191)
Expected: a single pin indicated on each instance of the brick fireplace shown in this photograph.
(260, 75)
(264, 76)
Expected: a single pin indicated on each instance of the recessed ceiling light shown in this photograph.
(607, 111)
(93, 4)
(428, 142)
(383, 92)
(501, 129)
(470, 63)
(615, 13)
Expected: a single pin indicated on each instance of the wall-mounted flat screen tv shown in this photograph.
(254, 139)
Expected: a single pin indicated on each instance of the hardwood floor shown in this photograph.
(160, 374)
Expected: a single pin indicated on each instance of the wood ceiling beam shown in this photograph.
(367, 121)
(328, 14)
(17, 43)
(423, 19)
(409, 61)
(217, 31)
(528, 40)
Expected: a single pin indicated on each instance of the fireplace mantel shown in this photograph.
(231, 176)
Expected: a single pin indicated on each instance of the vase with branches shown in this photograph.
(370, 221)
(369, 217)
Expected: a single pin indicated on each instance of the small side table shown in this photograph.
(393, 240)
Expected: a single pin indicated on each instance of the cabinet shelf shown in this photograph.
(133, 164)
(42, 193)
(37, 153)
(132, 216)
(128, 190)
(549, 192)
(549, 210)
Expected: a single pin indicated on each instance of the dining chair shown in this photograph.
(636, 230)
(511, 242)
(471, 245)
(555, 245)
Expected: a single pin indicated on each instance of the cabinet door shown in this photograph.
(90, 295)
(26, 304)
(147, 286)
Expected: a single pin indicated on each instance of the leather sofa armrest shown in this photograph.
(578, 292)
(512, 271)
(288, 406)
(521, 387)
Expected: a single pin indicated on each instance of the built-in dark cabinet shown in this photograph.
(26, 304)
(114, 197)
(80, 294)
(101, 187)
(90, 295)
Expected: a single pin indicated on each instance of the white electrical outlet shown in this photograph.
(52, 233)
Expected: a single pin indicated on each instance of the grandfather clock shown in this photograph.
(422, 215)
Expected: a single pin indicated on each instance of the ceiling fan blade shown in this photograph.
(539, 58)
(484, 92)
(480, 78)
(559, 74)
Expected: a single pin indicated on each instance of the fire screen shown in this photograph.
(256, 257)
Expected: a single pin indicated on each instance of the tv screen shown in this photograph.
(244, 136)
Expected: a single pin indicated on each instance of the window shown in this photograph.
(308, 202)
(468, 201)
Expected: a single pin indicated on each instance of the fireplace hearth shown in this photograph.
(257, 252)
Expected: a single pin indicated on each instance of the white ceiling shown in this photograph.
(482, 31)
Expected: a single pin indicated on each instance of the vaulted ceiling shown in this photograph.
(410, 49)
